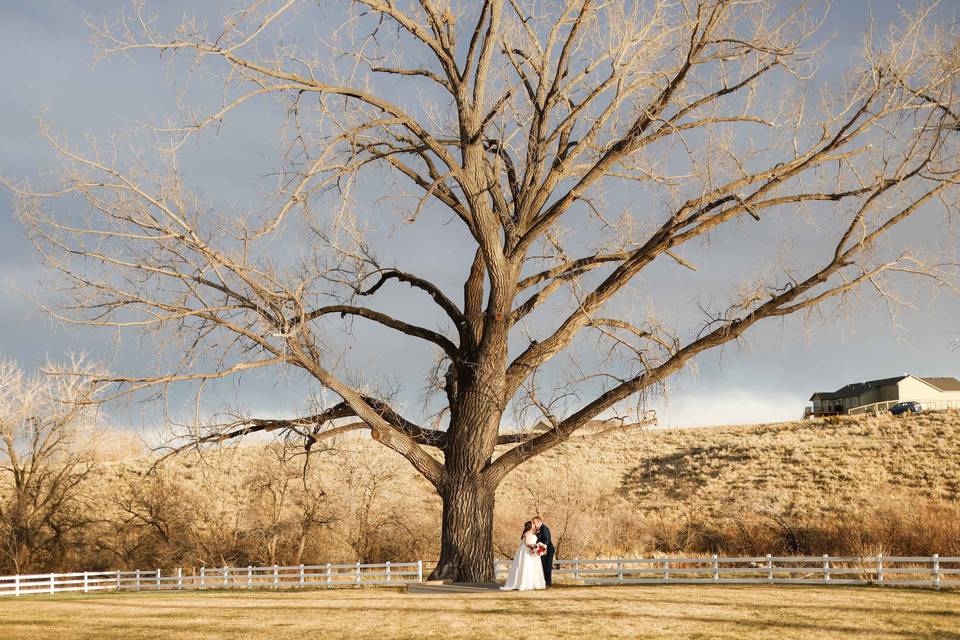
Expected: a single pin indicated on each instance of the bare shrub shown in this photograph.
(860, 487)
(146, 520)
(288, 504)
(47, 429)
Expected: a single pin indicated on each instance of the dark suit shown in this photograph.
(547, 559)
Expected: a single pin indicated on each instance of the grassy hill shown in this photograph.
(845, 482)
(811, 465)
(841, 486)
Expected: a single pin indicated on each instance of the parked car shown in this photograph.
(905, 407)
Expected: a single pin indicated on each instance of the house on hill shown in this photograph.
(879, 395)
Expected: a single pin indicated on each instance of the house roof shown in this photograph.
(855, 389)
(944, 384)
(858, 388)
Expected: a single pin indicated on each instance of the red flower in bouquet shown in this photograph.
(538, 549)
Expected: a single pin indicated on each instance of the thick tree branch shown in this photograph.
(786, 301)
(384, 319)
(312, 428)
(452, 310)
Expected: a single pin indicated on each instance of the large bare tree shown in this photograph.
(571, 145)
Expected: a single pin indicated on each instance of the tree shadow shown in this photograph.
(675, 475)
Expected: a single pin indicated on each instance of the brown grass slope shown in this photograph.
(845, 483)
(811, 465)
(842, 486)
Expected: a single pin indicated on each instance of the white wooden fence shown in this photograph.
(917, 571)
(882, 407)
(275, 577)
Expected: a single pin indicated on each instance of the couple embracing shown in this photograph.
(533, 563)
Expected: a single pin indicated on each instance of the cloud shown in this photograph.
(732, 406)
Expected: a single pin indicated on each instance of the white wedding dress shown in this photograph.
(527, 570)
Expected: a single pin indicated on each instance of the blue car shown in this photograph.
(905, 407)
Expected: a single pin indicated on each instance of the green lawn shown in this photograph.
(702, 611)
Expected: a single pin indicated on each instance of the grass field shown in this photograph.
(675, 612)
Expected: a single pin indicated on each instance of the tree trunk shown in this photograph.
(466, 543)
(466, 546)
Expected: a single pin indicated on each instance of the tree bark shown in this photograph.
(466, 490)
(466, 546)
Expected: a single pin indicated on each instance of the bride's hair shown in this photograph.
(527, 526)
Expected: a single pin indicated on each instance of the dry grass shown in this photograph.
(843, 486)
(675, 612)
(809, 466)
(849, 485)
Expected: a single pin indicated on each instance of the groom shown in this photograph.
(543, 535)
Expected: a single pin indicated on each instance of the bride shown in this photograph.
(527, 570)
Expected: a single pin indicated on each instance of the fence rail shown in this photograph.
(918, 571)
(273, 577)
(875, 408)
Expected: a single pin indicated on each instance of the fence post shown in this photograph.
(118, 581)
(249, 577)
(138, 579)
(936, 571)
(226, 573)
(716, 569)
(203, 577)
(419, 570)
(576, 569)
(769, 569)
(52, 579)
(620, 571)
(666, 569)
(329, 575)
(276, 578)
(180, 578)
(86, 582)
(358, 572)
(388, 571)
(158, 579)
(16, 585)
(301, 575)
(826, 567)
(879, 567)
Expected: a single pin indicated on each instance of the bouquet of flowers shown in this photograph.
(539, 549)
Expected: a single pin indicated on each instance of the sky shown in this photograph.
(46, 60)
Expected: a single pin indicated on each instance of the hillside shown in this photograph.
(869, 481)
(839, 486)
(810, 465)
(828, 484)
